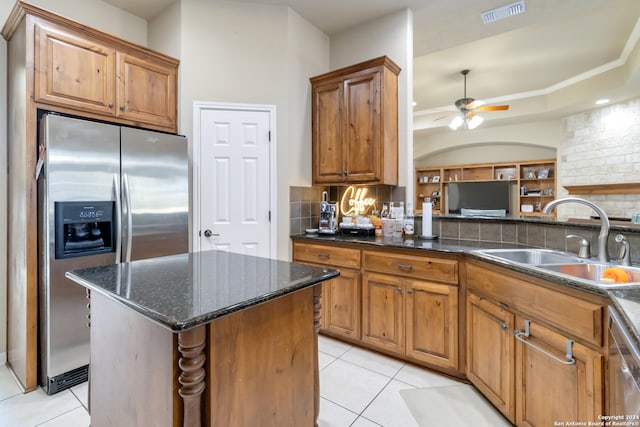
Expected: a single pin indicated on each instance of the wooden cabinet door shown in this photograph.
(383, 311)
(147, 91)
(341, 297)
(362, 139)
(491, 352)
(328, 164)
(432, 323)
(549, 390)
(73, 71)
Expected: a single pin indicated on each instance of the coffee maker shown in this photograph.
(328, 216)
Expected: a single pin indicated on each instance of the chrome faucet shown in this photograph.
(603, 237)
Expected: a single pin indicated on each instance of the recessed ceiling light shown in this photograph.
(602, 101)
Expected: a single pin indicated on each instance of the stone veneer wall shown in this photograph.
(304, 202)
(601, 146)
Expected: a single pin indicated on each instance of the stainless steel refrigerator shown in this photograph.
(106, 194)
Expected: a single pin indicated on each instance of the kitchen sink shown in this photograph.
(532, 256)
(592, 272)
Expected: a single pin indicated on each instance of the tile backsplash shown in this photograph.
(304, 202)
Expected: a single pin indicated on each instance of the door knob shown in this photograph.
(208, 233)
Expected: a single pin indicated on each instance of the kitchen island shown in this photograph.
(200, 339)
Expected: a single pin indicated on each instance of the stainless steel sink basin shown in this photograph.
(592, 272)
(532, 256)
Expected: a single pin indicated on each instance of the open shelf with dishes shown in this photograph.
(429, 184)
(537, 187)
(533, 183)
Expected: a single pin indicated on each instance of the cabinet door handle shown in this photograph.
(399, 290)
(111, 105)
(405, 266)
(324, 256)
(122, 107)
(520, 336)
(410, 291)
(504, 327)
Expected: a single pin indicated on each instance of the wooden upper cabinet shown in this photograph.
(328, 155)
(73, 71)
(88, 73)
(362, 143)
(146, 90)
(355, 124)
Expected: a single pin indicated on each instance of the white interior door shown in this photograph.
(234, 184)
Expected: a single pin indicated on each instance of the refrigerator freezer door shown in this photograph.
(155, 194)
(81, 160)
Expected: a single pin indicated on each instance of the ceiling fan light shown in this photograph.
(456, 122)
(474, 122)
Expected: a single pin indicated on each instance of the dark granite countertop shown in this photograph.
(626, 300)
(438, 245)
(180, 292)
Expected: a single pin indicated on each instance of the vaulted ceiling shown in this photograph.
(555, 59)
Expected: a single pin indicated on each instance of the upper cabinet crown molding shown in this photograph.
(355, 124)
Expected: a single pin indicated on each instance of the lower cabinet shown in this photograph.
(341, 304)
(491, 352)
(405, 304)
(431, 315)
(341, 296)
(558, 378)
(535, 373)
(407, 314)
(383, 311)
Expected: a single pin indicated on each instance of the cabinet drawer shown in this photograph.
(576, 316)
(442, 270)
(322, 254)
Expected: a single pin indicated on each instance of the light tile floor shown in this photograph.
(358, 388)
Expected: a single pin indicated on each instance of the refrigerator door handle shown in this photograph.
(116, 189)
(127, 198)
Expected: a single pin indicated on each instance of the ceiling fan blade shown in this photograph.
(445, 116)
(474, 104)
(492, 108)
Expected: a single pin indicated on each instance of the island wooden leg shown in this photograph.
(192, 374)
(317, 305)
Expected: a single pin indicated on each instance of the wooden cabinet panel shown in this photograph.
(94, 74)
(324, 254)
(442, 270)
(74, 71)
(328, 156)
(146, 90)
(355, 124)
(363, 144)
(432, 323)
(383, 311)
(341, 297)
(548, 390)
(491, 352)
(581, 318)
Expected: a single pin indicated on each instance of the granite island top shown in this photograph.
(180, 292)
(626, 300)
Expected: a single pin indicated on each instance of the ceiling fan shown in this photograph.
(466, 116)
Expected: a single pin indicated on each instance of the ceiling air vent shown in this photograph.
(503, 12)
